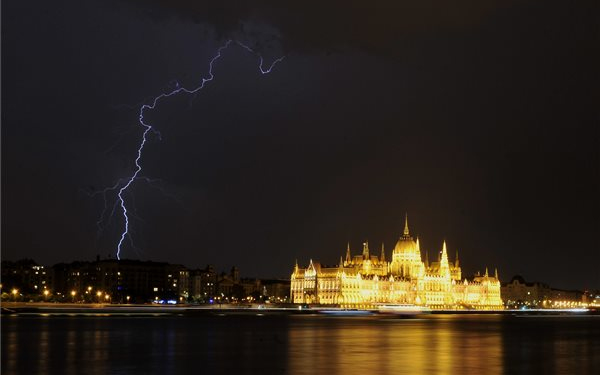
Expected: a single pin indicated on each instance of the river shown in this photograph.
(300, 344)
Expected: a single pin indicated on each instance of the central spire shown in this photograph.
(406, 232)
(366, 250)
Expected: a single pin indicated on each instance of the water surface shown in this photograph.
(436, 344)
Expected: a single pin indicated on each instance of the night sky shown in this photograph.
(477, 118)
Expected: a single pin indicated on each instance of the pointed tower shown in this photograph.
(426, 259)
(496, 274)
(456, 270)
(296, 268)
(418, 267)
(382, 257)
(486, 272)
(444, 267)
(348, 256)
(366, 250)
(341, 266)
(406, 234)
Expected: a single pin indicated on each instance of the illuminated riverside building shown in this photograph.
(365, 280)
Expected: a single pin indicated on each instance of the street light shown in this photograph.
(15, 292)
(46, 292)
(73, 293)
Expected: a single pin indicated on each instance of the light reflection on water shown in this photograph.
(440, 344)
(390, 346)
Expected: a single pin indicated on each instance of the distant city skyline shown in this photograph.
(358, 281)
(227, 269)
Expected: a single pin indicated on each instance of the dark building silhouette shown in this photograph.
(134, 281)
(518, 293)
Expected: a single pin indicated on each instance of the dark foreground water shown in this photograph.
(437, 344)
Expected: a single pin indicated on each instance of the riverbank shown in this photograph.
(52, 309)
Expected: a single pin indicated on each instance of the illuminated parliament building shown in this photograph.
(365, 281)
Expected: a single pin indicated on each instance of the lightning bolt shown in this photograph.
(126, 183)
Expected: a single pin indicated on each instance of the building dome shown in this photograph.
(405, 245)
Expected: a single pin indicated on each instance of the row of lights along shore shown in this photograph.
(99, 294)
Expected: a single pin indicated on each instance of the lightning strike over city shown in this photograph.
(150, 128)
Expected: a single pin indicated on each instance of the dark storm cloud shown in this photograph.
(477, 118)
(318, 26)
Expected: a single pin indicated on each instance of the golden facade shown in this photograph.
(365, 280)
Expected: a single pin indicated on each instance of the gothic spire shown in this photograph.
(348, 256)
(406, 232)
(382, 258)
(366, 250)
(444, 257)
(444, 266)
